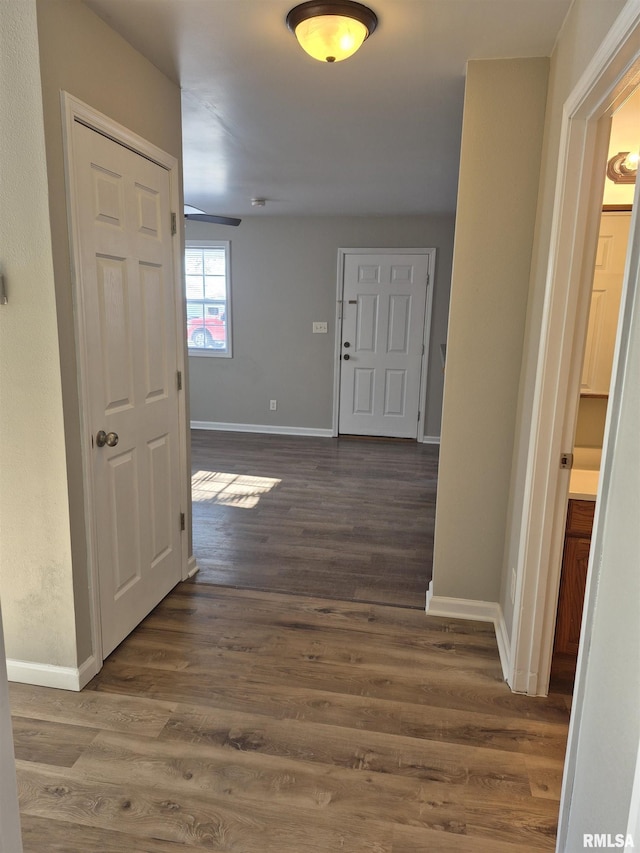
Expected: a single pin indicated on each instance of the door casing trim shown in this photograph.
(74, 110)
(428, 312)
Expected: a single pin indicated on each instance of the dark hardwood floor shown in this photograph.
(249, 721)
(347, 518)
(253, 722)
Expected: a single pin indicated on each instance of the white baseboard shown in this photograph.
(504, 645)
(263, 428)
(46, 675)
(430, 439)
(480, 611)
(192, 567)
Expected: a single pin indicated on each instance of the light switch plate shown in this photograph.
(319, 328)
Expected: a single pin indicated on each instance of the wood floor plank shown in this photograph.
(122, 713)
(283, 701)
(358, 750)
(237, 776)
(47, 742)
(451, 838)
(326, 651)
(221, 686)
(211, 602)
(48, 834)
(545, 775)
(225, 770)
(200, 822)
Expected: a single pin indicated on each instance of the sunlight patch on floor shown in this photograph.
(237, 490)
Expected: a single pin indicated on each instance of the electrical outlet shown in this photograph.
(319, 328)
(513, 586)
(273, 405)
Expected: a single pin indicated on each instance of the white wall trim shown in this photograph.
(504, 643)
(430, 439)
(478, 611)
(192, 567)
(273, 429)
(47, 675)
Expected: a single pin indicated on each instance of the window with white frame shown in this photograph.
(208, 292)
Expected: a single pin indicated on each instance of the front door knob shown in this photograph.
(108, 438)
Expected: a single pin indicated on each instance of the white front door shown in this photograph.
(383, 320)
(126, 282)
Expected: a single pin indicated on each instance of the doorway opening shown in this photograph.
(607, 84)
(589, 438)
(595, 381)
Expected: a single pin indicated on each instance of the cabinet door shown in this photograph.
(605, 303)
(572, 589)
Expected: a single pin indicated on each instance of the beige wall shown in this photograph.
(584, 29)
(35, 550)
(44, 582)
(498, 186)
(283, 278)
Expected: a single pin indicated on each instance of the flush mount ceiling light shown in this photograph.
(623, 168)
(331, 32)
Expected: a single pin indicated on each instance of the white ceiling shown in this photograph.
(376, 134)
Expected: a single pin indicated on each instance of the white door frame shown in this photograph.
(74, 110)
(431, 263)
(610, 77)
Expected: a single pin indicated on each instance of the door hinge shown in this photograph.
(422, 349)
(418, 414)
(428, 279)
(566, 460)
(174, 223)
(182, 521)
(179, 380)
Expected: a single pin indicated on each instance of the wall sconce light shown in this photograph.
(332, 31)
(623, 168)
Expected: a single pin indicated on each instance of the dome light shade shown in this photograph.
(623, 168)
(331, 32)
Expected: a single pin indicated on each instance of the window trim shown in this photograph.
(213, 353)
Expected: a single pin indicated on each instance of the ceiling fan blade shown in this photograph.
(212, 217)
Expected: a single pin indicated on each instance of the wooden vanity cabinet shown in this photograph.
(574, 576)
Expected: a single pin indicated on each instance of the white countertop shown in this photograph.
(583, 485)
